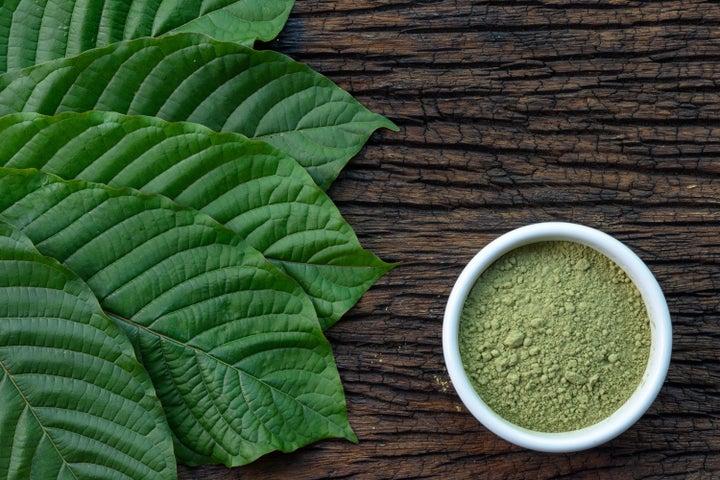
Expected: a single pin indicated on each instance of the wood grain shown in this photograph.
(605, 113)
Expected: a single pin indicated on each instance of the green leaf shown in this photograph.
(232, 345)
(271, 201)
(224, 86)
(242, 21)
(35, 31)
(75, 401)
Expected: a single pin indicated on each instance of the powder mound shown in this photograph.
(554, 336)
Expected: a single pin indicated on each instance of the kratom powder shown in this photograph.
(554, 336)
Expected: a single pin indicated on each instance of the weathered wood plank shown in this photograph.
(514, 112)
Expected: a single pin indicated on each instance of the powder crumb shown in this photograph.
(514, 339)
(582, 265)
(575, 378)
(443, 384)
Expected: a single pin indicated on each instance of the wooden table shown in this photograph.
(605, 113)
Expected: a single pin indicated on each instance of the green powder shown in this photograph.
(554, 336)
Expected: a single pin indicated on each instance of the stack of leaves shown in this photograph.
(169, 258)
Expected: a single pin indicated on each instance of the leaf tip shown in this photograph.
(390, 125)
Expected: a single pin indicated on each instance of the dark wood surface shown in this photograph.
(605, 113)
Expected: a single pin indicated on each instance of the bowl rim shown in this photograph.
(660, 350)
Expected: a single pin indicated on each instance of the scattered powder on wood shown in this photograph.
(554, 336)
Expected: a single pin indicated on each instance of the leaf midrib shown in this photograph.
(199, 351)
(37, 419)
(347, 126)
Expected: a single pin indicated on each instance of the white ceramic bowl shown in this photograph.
(660, 326)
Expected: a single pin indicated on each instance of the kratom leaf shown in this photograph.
(75, 401)
(224, 86)
(232, 345)
(255, 189)
(241, 21)
(35, 31)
